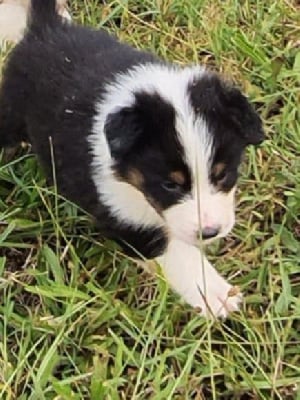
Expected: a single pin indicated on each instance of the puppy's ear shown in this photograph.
(149, 119)
(226, 109)
(244, 118)
(122, 131)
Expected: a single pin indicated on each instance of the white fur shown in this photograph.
(211, 209)
(192, 276)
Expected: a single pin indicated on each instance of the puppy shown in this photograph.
(150, 149)
(13, 17)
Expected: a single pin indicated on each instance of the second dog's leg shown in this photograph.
(193, 277)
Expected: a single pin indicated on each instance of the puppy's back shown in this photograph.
(53, 80)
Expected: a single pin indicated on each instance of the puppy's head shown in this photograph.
(179, 143)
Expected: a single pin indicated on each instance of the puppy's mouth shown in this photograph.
(206, 242)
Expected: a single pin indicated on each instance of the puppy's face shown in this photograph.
(183, 156)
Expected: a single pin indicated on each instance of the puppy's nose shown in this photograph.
(210, 232)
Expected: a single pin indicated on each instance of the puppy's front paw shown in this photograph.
(195, 279)
(218, 298)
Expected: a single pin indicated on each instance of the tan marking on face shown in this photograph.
(136, 178)
(178, 177)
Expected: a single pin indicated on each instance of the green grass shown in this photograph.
(80, 321)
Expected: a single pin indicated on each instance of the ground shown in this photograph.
(80, 321)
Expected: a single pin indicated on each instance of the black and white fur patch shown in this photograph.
(150, 149)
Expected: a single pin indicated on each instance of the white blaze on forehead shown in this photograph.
(197, 143)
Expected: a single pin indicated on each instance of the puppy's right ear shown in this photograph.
(122, 130)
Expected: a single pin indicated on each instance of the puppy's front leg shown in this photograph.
(192, 276)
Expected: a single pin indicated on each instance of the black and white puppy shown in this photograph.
(150, 149)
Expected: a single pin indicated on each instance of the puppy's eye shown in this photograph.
(171, 186)
(221, 176)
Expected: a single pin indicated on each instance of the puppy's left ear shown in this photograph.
(226, 108)
(241, 115)
(250, 123)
